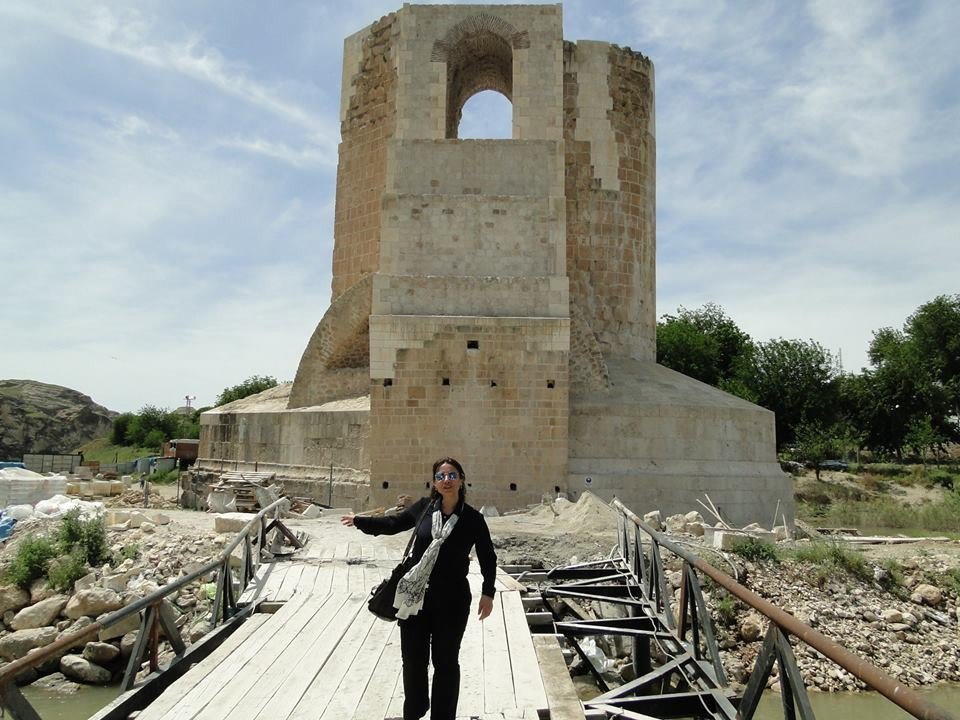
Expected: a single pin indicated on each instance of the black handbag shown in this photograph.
(380, 602)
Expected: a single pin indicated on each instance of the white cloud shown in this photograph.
(125, 31)
(167, 193)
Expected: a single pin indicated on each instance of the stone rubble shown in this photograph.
(164, 552)
(894, 631)
(910, 633)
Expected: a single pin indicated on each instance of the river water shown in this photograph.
(826, 706)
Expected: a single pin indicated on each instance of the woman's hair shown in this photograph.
(434, 495)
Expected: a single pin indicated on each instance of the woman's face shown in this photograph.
(447, 482)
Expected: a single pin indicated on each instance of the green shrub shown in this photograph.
(885, 469)
(30, 561)
(65, 570)
(726, 609)
(87, 536)
(127, 552)
(753, 549)
(167, 477)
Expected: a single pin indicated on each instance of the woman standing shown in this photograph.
(433, 598)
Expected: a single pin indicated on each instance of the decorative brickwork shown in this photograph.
(368, 122)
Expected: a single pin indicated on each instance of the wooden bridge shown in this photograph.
(314, 651)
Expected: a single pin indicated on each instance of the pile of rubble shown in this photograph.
(148, 553)
(908, 630)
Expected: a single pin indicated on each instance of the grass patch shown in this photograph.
(755, 550)
(726, 608)
(103, 451)
(167, 477)
(833, 561)
(939, 516)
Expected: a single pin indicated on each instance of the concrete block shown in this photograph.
(231, 523)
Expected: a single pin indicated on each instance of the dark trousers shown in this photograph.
(436, 630)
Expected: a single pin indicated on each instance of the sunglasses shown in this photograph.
(452, 475)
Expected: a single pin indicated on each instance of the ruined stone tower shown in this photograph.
(494, 300)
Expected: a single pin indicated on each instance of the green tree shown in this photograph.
(900, 390)
(797, 380)
(922, 436)
(121, 423)
(251, 386)
(704, 344)
(815, 442)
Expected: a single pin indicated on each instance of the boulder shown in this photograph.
(19, 643)
(40, 590)
(892, 616)
(654, 519)
(82, 670)
(676, 524)
(87, 581)
(751, 628)
(13, 598)
(72, 627)
(92, 601)
(58, 683)
(39, 615)
(929, 594)
(100, 653)
(128, 624)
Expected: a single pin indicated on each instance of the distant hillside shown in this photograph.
(39, 418)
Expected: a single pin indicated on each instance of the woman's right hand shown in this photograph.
(347, 520)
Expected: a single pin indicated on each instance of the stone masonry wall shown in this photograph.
(610, 179)
(499, 407)
(368, 120)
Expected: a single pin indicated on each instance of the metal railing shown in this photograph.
(645, 564)
(157, 614)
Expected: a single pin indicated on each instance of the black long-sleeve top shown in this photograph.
(453, 560)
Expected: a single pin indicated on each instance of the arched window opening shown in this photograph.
(478, 61)
(487, 115)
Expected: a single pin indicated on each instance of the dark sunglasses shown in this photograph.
(452, 475)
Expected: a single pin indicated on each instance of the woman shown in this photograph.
(433, 598)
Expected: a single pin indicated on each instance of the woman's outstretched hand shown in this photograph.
(347, 520)
(485, 607)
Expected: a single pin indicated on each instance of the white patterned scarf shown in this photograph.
(413, 585)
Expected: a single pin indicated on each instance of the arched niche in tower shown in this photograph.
(478, 52)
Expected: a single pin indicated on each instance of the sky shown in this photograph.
(167, 174)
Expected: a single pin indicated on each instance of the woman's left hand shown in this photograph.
(485, 607)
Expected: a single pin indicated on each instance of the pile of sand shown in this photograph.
(589, 514)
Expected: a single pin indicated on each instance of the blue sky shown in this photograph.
(167, 176)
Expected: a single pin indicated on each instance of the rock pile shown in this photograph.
(148, 553)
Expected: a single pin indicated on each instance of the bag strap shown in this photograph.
(413, 535)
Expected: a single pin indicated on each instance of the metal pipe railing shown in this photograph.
(873, 676)
(10, 671)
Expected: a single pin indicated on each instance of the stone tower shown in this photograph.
(494, 300)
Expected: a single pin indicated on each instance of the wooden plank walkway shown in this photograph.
(322, 655)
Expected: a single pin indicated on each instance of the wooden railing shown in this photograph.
(156, 615)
